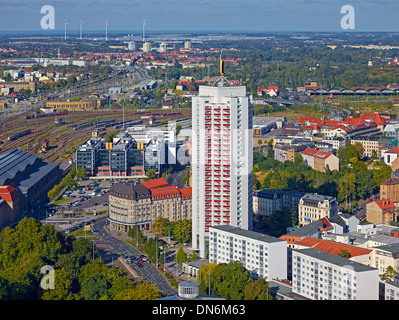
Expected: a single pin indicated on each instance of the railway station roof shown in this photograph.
(15, 162)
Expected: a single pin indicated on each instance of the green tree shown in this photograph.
(85, 251)
(136, 235)
(257, 290)
(62, 287)
(229, 280)
(96, 286)
(193, 256)
(276, 224)
(151, 173)
(390, 274)
(81, 174)
(381, 174)
(344, 254)
(142, 291)
(94, 267)
(181, 256)
(347, 187)
(119, 283)
(182, 230)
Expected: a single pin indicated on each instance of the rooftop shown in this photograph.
(316, 153)
(14, 162)
(23, 168)
(394, 150)
(317, 197)
(335, 260)
(155, 183)
(129, 191)
(247, 233)
(332, 247)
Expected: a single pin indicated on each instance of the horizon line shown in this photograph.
(195, 31)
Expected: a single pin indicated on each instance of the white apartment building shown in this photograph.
(336, 142)
(318, 275)
(265, 256)
(146, 47)
(392, 290)
(222, 161)
(385, 256)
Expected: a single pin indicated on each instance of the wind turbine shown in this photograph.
(106, 30)
(81, 22)
(65, 24)
(144, 23)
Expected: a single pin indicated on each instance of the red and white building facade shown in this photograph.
(221, 161)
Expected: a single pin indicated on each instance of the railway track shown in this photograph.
(61, 137)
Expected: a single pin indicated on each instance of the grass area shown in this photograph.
(81, 233)
(62, 201)
(97, 212)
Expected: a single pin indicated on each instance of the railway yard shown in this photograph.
(63, 139)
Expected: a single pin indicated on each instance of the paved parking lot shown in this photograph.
(95, 198)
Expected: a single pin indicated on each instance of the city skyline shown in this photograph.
(201, 15)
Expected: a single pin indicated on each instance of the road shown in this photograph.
(118, 248)
(175, 178)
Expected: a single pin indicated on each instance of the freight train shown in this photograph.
(45, 115)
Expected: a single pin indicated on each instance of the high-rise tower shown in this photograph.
(221, 160)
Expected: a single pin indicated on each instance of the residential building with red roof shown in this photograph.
(390, 155)
(10, 204)
(320, 160)
(358, 254)
(142, 203)
(371, 123)
(155, 183)
(381, 212)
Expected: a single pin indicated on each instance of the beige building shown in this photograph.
(313, 207)
(20, 85)
(385, 256)
(369, 145)
(287, 152)
(82, 105)
(381, 212)
(142, 203)
(389, 190)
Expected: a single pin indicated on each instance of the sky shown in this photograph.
(201, 15)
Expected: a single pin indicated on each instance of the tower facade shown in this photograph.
(222, 161)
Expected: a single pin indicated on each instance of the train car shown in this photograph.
(45, 115)
(82, 126)
(19, 134)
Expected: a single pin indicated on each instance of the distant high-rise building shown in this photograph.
(131, 45)
(187, 45)
(221, 161)
(163, 47)
(147, 47)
